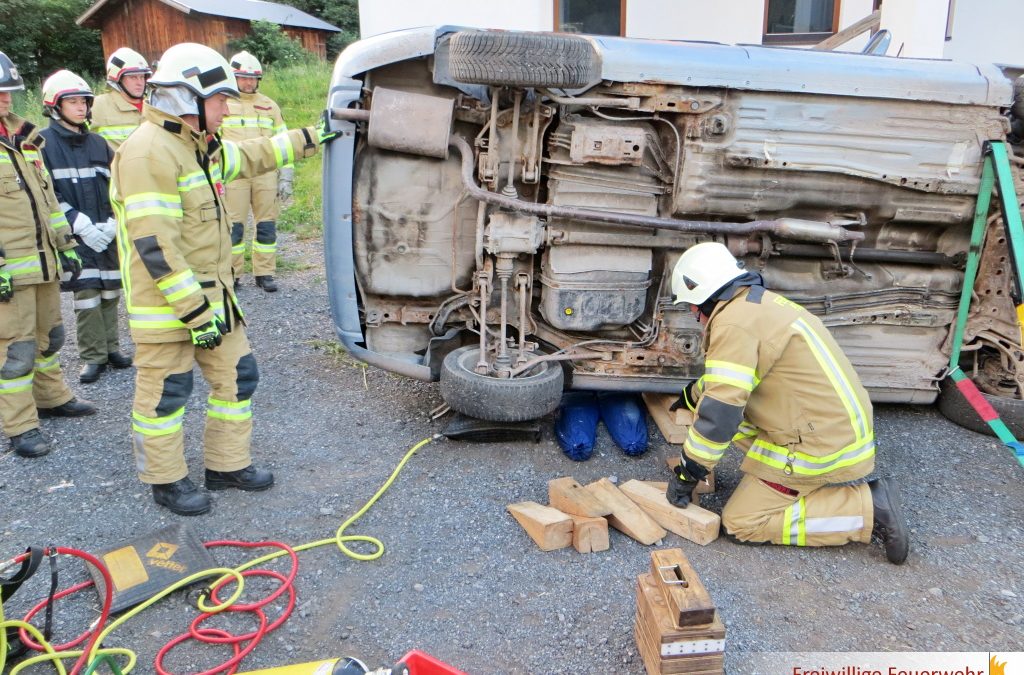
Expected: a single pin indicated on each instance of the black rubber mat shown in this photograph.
(462, 428)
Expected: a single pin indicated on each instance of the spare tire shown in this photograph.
(956, 409)
(523, 59)
(496, 399)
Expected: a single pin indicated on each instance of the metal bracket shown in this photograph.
(677, 576)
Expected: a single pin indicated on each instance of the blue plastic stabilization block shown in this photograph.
(576, 426)
(626, 419)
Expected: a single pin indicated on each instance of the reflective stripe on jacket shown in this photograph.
(174, 235)
(32, 226)
(114, 118)
(774, 374)
(252, 116)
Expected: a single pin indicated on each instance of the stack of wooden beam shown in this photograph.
(677, 628)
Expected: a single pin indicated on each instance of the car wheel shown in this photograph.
(523, 59)
(532, 395)
(956, 409)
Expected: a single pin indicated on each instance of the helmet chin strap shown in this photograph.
(201, 104)
(82, 126)
(127, 93)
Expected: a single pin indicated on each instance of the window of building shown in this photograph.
(800, 21)
(594, 17)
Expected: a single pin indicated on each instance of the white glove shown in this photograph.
(284, 183)
(92, 235)
(109, 227)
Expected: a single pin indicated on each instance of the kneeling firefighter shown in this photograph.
(36, 244)
(778, 385)
(175, 249)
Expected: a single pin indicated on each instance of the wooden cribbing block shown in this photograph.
(568, 496)
(673, 424)
(625, 516)
(685, 595)
(704, 487)
(549, 528)
(694, 523)
(667, 648)
(589, 535)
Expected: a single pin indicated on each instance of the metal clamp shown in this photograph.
(677, 573)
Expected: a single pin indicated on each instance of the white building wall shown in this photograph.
(728, 21)
(850, 12)
(918, 27)
(989, 33)
(382, 16)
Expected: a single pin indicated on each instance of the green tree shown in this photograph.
(267, 42)
(41, 36)
(342, 13)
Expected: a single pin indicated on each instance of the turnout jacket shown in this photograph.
(114, 118)
(32, 227)
(174, 235)
(252, 116)
(776, 380)
(79, 164)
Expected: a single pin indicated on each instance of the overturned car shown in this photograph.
(503, 209)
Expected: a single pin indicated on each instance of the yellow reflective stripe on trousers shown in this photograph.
(27, 265)
(158, 426)
(232, 163)
(808, 465)
(191, 181)
(238, 249)
(179, 286)
(257, 247)
(834, 372)
(699, 446)
(794, 532)
(152, 204)
(16, 385)
(233, 411)
(51, 362)
(283, 149)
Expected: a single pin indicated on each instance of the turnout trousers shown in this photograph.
(260, 195)
(31, 335)
(96, 317)
(163, 384)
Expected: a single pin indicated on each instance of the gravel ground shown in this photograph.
(459, 578)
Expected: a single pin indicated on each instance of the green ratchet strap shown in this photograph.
(996, 167)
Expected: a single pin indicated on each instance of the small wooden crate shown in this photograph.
(666, 647)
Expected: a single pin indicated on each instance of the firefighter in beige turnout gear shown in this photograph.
(35, 245)
(778, 386)
(175, 250)
(254, 115)
(116, 114)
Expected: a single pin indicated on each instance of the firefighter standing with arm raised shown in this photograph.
(778, 385)
(79, 163)
(175, 248)
(116, 114)
(254, 115)
(35, 245)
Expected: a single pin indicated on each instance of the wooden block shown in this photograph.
(666, 648)
(683, 590)
(589, 535)
(549, 528)
(704, 487)
(684, 664)
(568, 496)
(694, 523)
(625, 516)
(673, 425)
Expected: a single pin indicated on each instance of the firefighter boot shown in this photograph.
(119, 360)
(182, 497)
(73, 408)
(249, 479)
(30, 444)
(267, 283)
(91, 372)
(889, 526)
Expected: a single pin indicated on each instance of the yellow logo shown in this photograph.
(996, 668)
(162, 551)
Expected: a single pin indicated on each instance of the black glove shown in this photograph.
(209, 335)
(686, 399)
(684, 480)
(71, 263)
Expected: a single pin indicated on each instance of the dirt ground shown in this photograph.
(459, 578)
